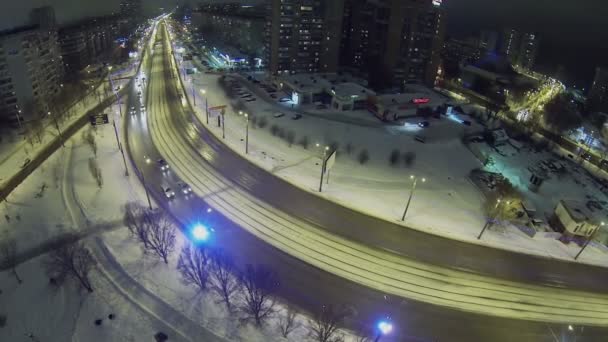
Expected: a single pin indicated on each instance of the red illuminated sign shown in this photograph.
(420, 101)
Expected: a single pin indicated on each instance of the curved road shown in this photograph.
(390, 236)
(306, 285)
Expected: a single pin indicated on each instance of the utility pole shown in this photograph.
(407, 206)
(124, 160)
(597, 229)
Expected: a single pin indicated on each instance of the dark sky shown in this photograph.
(573, 32)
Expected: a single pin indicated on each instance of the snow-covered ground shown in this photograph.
(15, 150)
(447, 203)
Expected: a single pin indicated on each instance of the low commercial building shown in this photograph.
(341, 91)
(575, 219)
(416, 100)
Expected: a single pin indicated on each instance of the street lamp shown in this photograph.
(323, 166)
(384, 328)
(489, 221)
(414, 182)
(597, 229)
(246, 134)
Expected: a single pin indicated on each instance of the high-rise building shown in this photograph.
(488, 41)
(396, 40)
(303, 35)
(520, 48)
(30, 72)
(597, 99)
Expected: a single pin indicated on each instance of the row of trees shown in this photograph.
(248, 293)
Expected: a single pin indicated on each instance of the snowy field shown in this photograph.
(447, 203)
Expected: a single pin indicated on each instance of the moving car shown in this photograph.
(424, 124)
(185, 188)
(163, 165)
(296, 117)
(466, 122)
(170, 194)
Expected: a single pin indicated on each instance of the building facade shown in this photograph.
(31, 72)
(399, 40)
(303, 36)
(520, 48)
(597, 99)
(83, 43)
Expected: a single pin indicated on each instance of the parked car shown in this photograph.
(279, 115)
(170, 194)
(163, 165)
(285, 99)
(296, 117)
(466, 122)
(424, 124)
(250, 100)
(245, 96)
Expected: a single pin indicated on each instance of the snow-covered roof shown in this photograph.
(579, 212)
(350, 89)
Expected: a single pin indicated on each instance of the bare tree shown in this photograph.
(89, 138)
(259, 283)
(133, 211)
(8, 256)
(287, 322)
(223, 279)
(73, 260)
(324, 328)
(161, 235)
(35, 129)
(96, 172)
(193, 264)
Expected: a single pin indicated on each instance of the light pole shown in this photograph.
(597, 229)
(323, 165)
(18, 115)
(247, 134)
(489, 221)
(203, 91)
(193, 94)
(384, 328)
(124, 160)
(58, 129)
(414, 182)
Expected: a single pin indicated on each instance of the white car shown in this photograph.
(170, 194)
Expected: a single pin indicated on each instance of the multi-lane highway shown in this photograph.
(303, 283)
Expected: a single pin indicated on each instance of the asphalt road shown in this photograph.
(390, 236)
(302, 284)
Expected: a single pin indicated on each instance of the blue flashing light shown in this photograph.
(200, 233)
(385, 327)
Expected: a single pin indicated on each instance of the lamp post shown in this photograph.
(489, 221)
(323, 165)
(409, 199)
(247, 134)
(203, 91)
(58, 129)
(597, 229)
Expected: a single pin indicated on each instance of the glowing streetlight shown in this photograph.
(409, 200)
(384, 328)
(200, 233)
